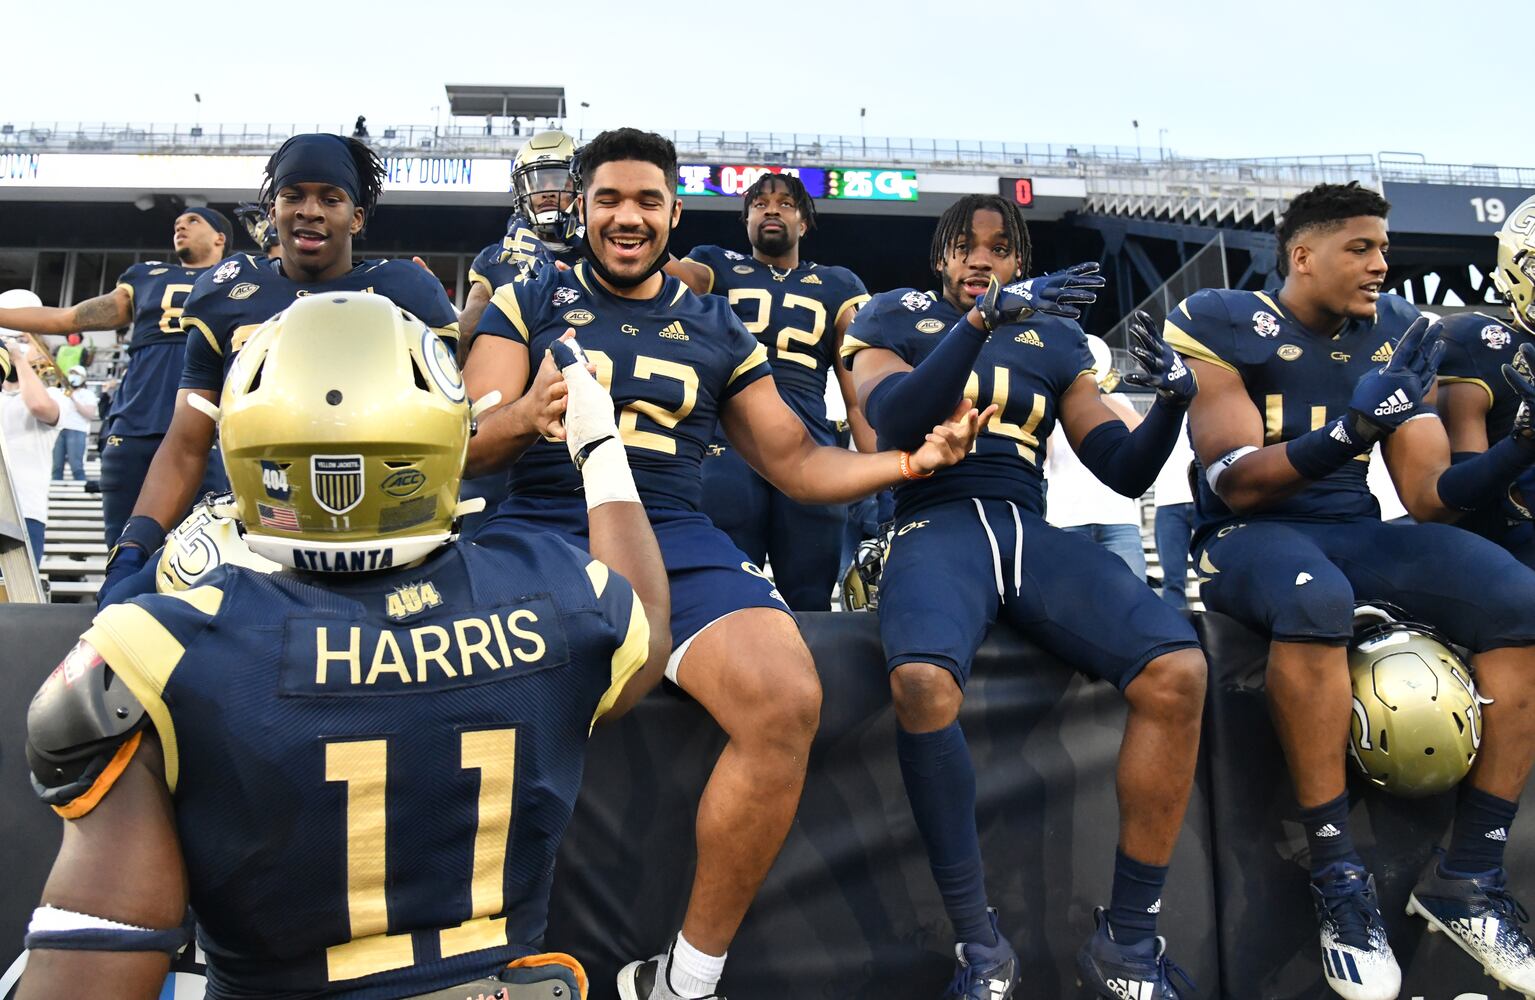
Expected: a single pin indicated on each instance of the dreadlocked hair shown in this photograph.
(370, 175)
(957, 223)
(796, 188)
(1325, 207)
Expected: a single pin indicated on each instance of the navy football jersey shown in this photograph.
(1476, 347)
(1024, 368)
(371, 774)
(156, 349)
(794, 314)
(231, 300)
(518, 250)
(670, 363)
(1297, 379)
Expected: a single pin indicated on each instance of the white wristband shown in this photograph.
(1213, 474)
(606, 475)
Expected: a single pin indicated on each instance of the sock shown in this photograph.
(940, 783)
(1328, 835)
(692, 974)
(1136, 899)
(1482, 823)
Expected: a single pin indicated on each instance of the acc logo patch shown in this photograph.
(743, 269)
(158, 270)
(403, 482)
(564, 296)
(1495, 337)
(443, 369)
(274, 479)
(1265, 324)
(225, 271)
(1289, 352)
(244, 290)
(930, 325)
(411, 599)
(578, 317)
(916, 302)
(336, 481)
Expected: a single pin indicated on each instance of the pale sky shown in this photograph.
(1222, 79)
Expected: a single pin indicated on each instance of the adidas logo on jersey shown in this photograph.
(1382, 353)
(810, 279)
(1132, 989)
(1329, 831)
(1500, 834)
(674, 331)
(1397, 402)
(1029, 337)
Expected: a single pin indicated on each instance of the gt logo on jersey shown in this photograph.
(913, 526)
(1495, 337)
(565, 296)
(274, 478)
(916, 301)
(411, 599)
(226, 271)
(1265, 324)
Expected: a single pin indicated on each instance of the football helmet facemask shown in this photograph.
(1417, 721)
(545, 189)
(1514, 277)
(344, 428)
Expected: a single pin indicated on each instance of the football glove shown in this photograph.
(1387, 397)
(1059, 294)
(1165, 372)
(591, 430)
(1522, 381)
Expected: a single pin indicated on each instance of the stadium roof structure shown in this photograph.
(477, 100)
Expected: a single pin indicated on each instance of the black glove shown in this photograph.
(1385, 397)
(1059, 294)
(1165, 371)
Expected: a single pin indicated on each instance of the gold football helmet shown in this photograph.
(544, 187)
(1514, 276)
(1417, 718)
(208, 538)
(344, 428)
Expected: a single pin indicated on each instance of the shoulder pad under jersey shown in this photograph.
(76, 723)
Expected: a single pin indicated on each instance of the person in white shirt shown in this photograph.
(1075, 500)
(74, 423)
(1174, 498)
(29, 424)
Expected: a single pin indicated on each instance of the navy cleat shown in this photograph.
(651, 980)
(1117, 971)
(985, 973)
(1356, 957)
(1482, 918)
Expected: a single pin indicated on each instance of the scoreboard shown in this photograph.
(731, 180)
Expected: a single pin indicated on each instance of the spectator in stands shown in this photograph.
(72, 353)
(29, 423)
(1075, 499)
(1174, 498)
(74, 422)
(360, 130)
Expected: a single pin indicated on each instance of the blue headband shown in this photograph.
(218, 222)
(317, 158)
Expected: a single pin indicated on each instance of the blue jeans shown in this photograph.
(69, 447)
(1124, 540)
(35, 531)
(1174, 527)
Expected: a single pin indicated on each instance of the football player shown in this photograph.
(150, 296)
(1295, 390)
(321, 190)
(799, 310)
(678, 364)
(356, 770)
(1476, 403)
(971, 542)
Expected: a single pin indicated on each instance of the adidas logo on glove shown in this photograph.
(1397, 402)
(1023, 289)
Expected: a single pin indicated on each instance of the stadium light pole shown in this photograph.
(1135, 123)
(581, 124)
(863, 138)
(1161, 145)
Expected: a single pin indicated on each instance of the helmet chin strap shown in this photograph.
(616, 281)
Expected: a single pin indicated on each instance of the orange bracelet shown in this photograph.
(907, 472)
